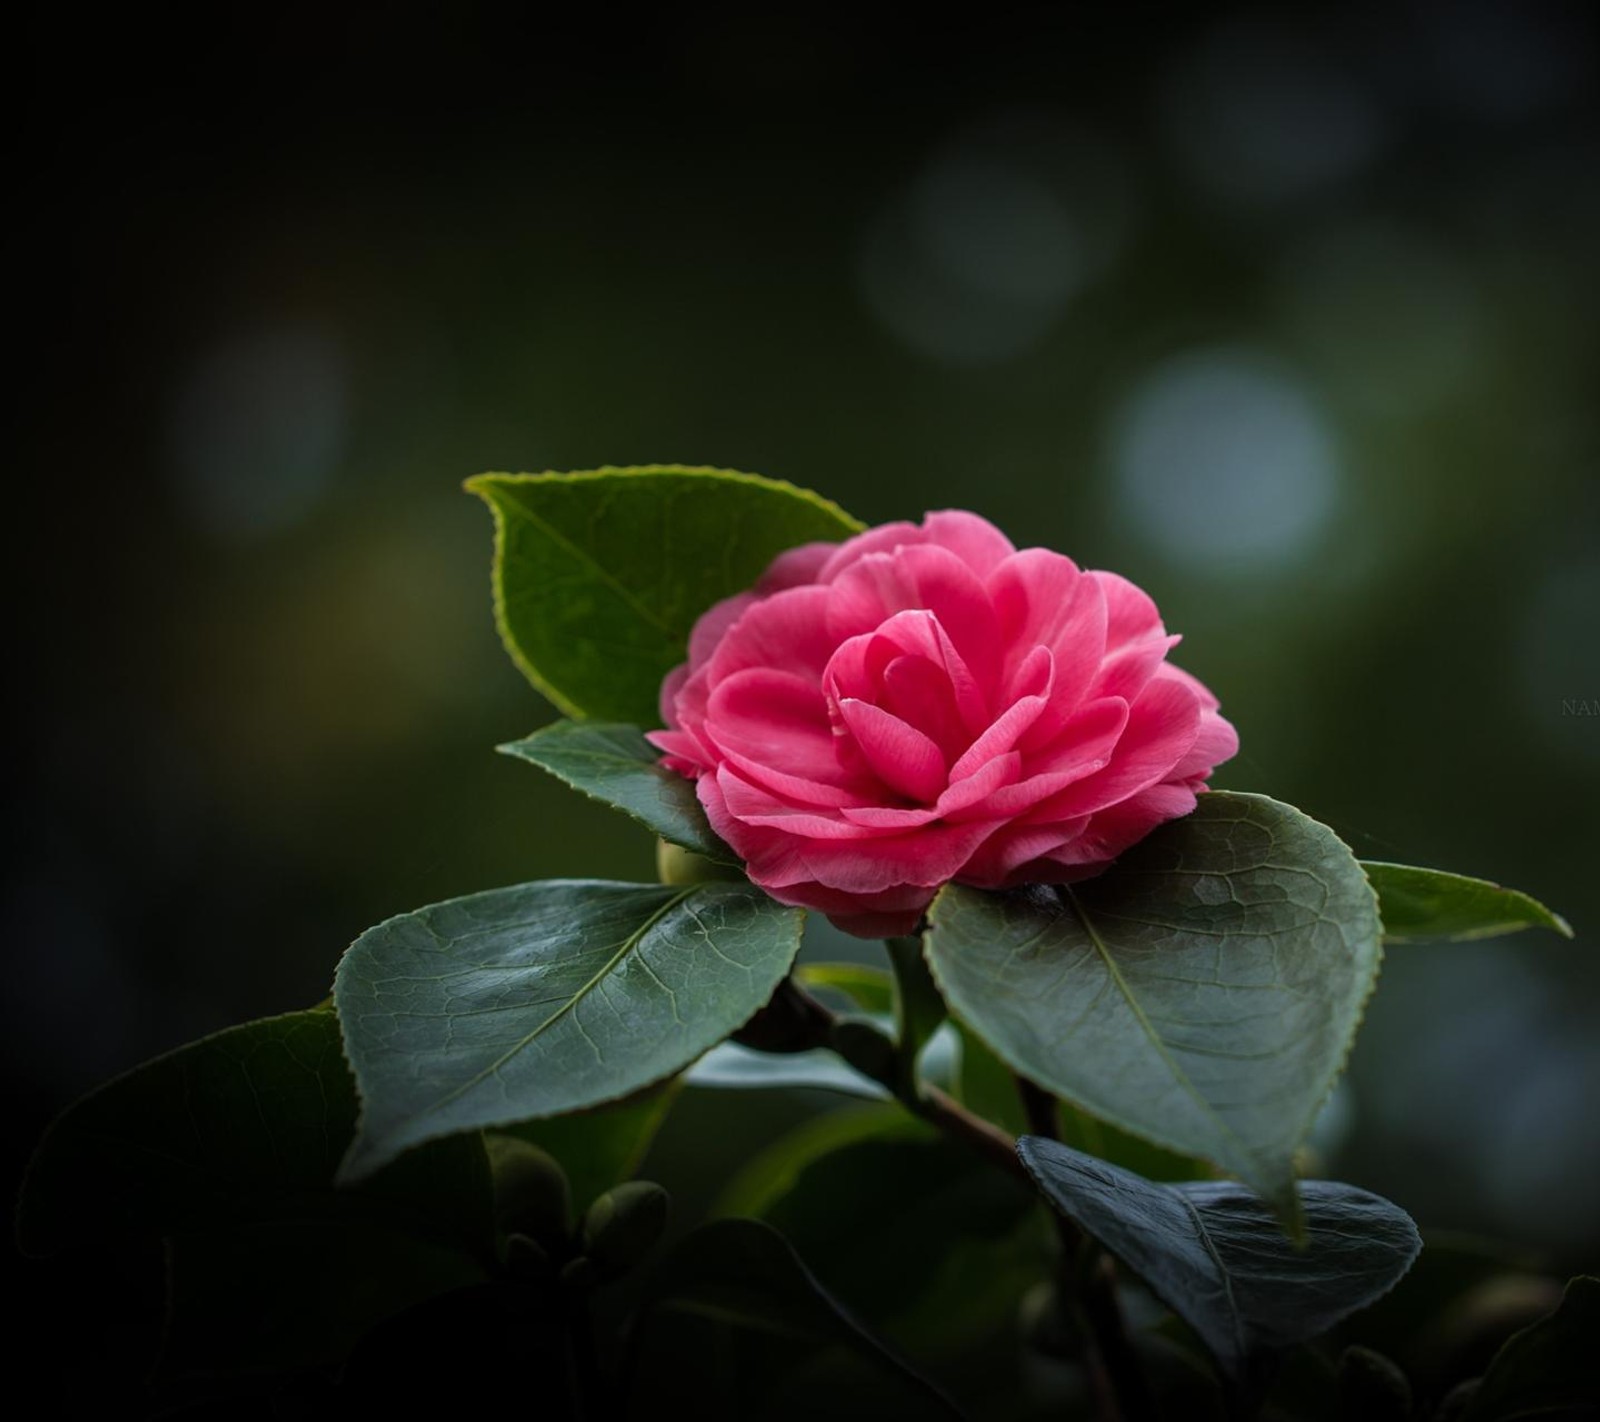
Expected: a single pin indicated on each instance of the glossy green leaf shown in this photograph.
(1418, 905)
(546, 998)
(769, 1341)
(1203, 993)
(1214, 1254)
(246, 1125)
(599, 576)
(602, 1146)
(617, 766)
(1547, 1370)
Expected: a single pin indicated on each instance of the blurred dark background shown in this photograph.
(1288, 316)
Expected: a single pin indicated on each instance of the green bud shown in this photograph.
(623, 1225)
(675, 865)
(1371, 1387)
(531, 1196)
(528, 1259)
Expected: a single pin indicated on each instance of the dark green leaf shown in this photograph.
(1547, 1370)
(1202, 993)
(249, 1124)
(919, 1011)
(1214, 1254)
(466, 1353)
(1422, 904)
(735, 1293)
(617, 766)
(914, 1232)
(546, 998)
(274, 1295)
(987, 1086)
(599, 576)
(770, 1175)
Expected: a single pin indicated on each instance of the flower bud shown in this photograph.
(678, 866)
(622, 1226)
(531, 1196)
(1372, 1387)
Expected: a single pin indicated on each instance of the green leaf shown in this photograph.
(771, 1174)
(1417, 905)
(863, 987)
(603, 1146)
(919, 1011)
(1203, 993)
(617, 766)
(731, 1066)
(599, 576)
(1547, 1370)
(275, 1295)
(769, 1340)
(246, 1125)
(1214, 1254)
(986, 1085)
(905, 1227)
(546, 998)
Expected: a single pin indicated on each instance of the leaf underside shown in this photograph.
(1213, 1252)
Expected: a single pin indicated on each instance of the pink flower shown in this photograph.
(921, 704)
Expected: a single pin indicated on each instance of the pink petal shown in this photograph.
(1217, 742)
(921, 695)
(713, 624)
(918, 633)
(1131, 614)
(1119, 827)
(1174, 673)
(976, 541)
(872, 590)
(786, 630)
(971, 796)
(795, 567)
(899, 755)
(885, 538)
(928, 857)
(775, 725)
(1014, 849)
(1041, 599)
(671, 685)
(754, 803)
(1162, 726)
(1126, 671)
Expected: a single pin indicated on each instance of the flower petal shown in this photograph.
(1041, 599)
(907, 761)
(1162, 727)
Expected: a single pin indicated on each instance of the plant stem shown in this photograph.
(1086, 1276)
(1087, 1283)
(594, 1399)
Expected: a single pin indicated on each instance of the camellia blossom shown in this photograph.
(922, 704)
